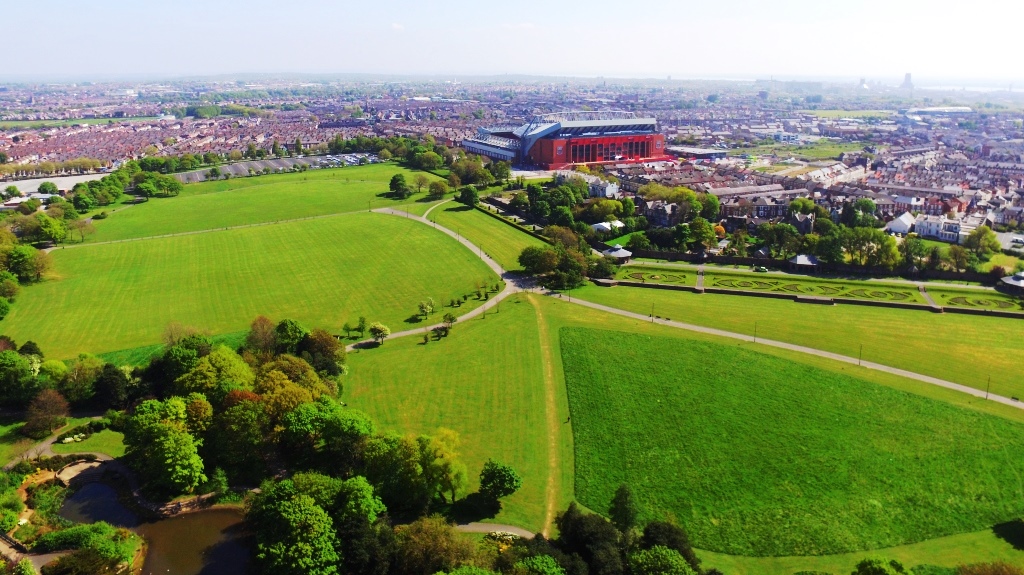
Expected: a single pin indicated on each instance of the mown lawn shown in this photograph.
(959, 348)
(485, 381)
(105, 441)
(981, 299)
(498, 240)
(240, 201)
(320, 272)
(762, 456)
(655, 274)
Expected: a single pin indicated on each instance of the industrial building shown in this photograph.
(553, 141)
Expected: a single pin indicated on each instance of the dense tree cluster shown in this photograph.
(565, 263)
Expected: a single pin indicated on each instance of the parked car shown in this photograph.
(761, 269)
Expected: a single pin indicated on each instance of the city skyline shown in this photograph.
(742, 40)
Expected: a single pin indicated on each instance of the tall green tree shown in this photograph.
(623, 510)
(294, 535)
(498, 480)
(982, 241)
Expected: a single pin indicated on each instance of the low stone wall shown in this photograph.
(985, 312)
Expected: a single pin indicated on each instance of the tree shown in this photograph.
(449, 320)
(398, 185)
(623, 510)
(498, 480)
(430, 545)
(262, 336)
(710, 207)
(298, 145)
(879, 567)
(48, 188)
(538, 565)
(958, 258)
(289, 334)
(379, 332)
(983, 242)
(702, 233)
(801, 206)
(914, 251)
(469, 196)
(47, 412)
(294, 535)
(111, 387)
(437, 189)
(659, 560)
(671, 536)
(361, 326)
(419, 180)
(82, 227)
(500, 170)
(538, 259)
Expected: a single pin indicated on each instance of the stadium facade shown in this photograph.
(562, 139)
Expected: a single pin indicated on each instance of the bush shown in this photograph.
(100, 216)
(5, 308)
(8, 521)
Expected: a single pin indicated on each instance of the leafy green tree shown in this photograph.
(362, 326)
(702, 233)
(710, 207)
(468, 196)
(983, 242)
(398, 185)
(538, 565)
(958, 258)
(430, 545)
(160, 448)
(419, 180)
(437, 189)
(356, 500)
(538, 259)
(801, 206)
(17, 384)
(623, 510)
(659, 560)
(48, 188)
(914, 250)
(237, 440)
(498, 480)
(294, 535)
(379, 332)
(289, 335)
(393, 467)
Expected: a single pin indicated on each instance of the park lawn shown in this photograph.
(13, 443)
(622, 240)
(952, 551)
(140, 356)
(420, 206)
(105, 441)
(1002, 260)
(260, 199)
(485, 381)
(655, 274)
(960, 348)
(501, 241)
(766, 457)
(803, 285)
(9, 124)
(981, 299)
(322, 273)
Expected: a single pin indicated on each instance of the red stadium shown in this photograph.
(554, 141)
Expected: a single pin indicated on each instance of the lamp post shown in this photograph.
(988, 386)
(755, 332)
(860, 355)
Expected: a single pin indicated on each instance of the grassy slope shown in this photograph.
(500, 241)
(321, 272)
(964, 349)
(407, 400)
(240, 201)
(494, 400)
(762, 456)
(105, 441)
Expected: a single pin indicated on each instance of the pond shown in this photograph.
(201, 543)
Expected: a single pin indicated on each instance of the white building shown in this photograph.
(901, 225)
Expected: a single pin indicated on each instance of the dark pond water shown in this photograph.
(203, 543)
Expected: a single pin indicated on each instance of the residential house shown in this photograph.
(902, 224)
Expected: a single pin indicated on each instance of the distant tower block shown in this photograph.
(907, 84)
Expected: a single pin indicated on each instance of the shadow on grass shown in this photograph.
(367, 345)
(1012, 532)
(459, 208)
(417, 318)
(474, 507)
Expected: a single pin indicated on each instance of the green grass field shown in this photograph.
(498, 240)
(976, 299)
(105, 441)
(820, 150)
(241, 201)
(496, 401)
(13, 124)
(320, 272)
(959, 348)
(760, 456)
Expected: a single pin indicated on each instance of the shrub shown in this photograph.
(8, 521)
(100, 216)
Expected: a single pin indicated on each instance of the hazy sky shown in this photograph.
(936, 40)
